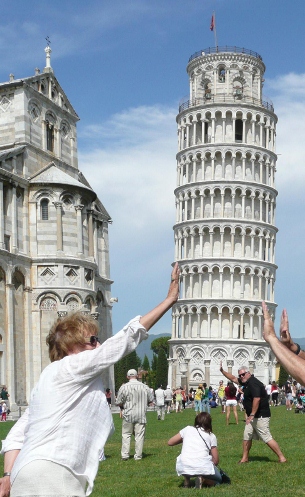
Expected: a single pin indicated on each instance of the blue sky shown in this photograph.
(122, 65)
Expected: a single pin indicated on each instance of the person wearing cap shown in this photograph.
(54, 448)
(168, 398)
(133, 397)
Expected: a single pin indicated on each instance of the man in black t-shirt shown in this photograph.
(258, 415)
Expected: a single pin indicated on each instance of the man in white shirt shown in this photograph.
(134, 398)
(168, 398)
(160, 402)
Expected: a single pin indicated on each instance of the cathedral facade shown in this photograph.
(54, 252)
(225, 230)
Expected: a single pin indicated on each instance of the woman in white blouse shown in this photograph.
(54, 447)
(199, 453)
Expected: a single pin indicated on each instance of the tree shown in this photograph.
(131, 361)
(283, 376)
(162, 369)
(160, 343)
(154, 363)
(145, 363)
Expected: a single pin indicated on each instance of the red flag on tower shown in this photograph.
(212, 23)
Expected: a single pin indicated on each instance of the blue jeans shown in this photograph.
(205, 405)
(198, 405)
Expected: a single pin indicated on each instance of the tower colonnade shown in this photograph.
(225, 232)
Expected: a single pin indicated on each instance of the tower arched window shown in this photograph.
(44, 210)
(238, 130)
(221, 74)
(50, 136)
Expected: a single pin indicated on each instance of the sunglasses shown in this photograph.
(241, 375)
(93, 340)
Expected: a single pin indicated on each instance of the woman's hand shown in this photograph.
(5, 486)
(173, 291)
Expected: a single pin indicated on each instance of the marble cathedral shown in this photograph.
(225, 230)
(54, 255)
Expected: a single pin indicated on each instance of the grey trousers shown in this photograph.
(161, 412)
(129, 429)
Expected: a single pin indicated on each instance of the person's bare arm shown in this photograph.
(5, 482)
(175, 440)
(149, 319)
(294, 364)
(285, 336)
(228, 375)
(215, 455)
(255, 406)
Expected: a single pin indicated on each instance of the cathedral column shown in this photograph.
(10, 349)
(1, 216)
(14, 248)
(58, 206)
(78, 209)
(25, 221)
(90, 233)
(28, 332)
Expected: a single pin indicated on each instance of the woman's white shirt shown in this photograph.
(69, 420)
(195, 458)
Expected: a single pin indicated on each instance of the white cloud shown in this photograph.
(134, 169)
(288, 98)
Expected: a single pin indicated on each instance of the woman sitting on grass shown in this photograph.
(199, 454)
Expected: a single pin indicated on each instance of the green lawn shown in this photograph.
(155, 474)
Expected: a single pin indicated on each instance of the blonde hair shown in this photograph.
(68, 332)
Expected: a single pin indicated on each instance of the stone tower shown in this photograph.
(225, 219)
(54, 254)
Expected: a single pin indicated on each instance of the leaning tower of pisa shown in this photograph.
(225, 219)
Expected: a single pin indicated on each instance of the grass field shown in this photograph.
(155, 474)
